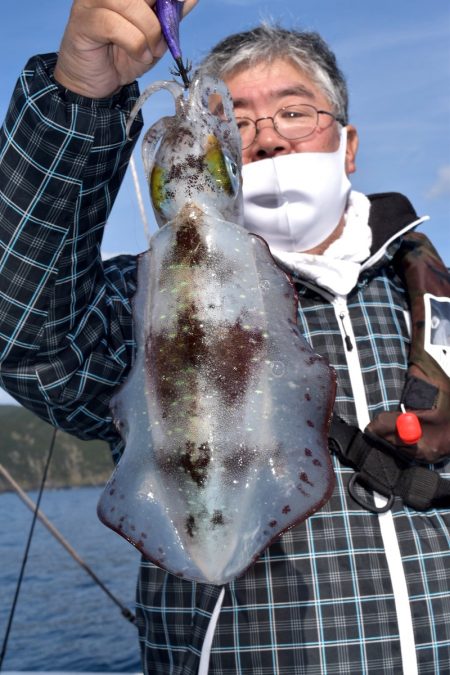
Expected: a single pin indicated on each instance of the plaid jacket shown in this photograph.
(345, 592)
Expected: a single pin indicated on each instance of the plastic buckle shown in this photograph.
(369, 507)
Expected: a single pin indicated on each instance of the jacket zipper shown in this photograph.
(347, 341)
(386, 521)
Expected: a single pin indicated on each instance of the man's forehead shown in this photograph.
(282, 91)
(269, 82)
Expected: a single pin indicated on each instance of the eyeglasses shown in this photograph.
(292, 122)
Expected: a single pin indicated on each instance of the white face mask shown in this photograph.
(296, 201)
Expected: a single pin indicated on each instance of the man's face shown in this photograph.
(261, 90)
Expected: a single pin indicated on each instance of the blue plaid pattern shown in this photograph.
(320, 599)
(66, 336)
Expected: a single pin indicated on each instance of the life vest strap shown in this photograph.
(379, 467)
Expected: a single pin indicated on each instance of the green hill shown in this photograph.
(24, 445)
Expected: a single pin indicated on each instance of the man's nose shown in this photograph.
(268, 142)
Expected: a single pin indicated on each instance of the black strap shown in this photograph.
(380, 468)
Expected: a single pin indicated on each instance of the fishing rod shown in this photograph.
(27, 548)
(38, 514)
(127, 613)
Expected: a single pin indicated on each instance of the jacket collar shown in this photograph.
(391, 215)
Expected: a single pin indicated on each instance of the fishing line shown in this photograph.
(37, 514)
(27, 548)
(140, 201)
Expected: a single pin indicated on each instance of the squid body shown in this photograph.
(226, 409)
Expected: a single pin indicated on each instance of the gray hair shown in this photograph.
(306, 50)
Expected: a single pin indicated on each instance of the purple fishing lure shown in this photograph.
(226, 410)
(169, 14)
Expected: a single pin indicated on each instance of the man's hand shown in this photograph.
(109, 43)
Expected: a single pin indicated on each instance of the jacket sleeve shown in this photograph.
(65, 319)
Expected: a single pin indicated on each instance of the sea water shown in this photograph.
(63, 620)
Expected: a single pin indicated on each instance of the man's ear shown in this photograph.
(352, 149)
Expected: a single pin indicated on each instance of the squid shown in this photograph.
(226, 408)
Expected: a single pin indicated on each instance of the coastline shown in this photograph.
(24, 444)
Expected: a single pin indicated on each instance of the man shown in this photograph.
(349, 590)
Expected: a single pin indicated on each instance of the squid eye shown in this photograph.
(233, 172)
(221, 167)
(157, 183)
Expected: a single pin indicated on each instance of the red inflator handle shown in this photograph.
(408, 427)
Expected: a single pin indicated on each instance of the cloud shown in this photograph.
(441, 186)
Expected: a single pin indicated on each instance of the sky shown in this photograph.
(394, 53)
